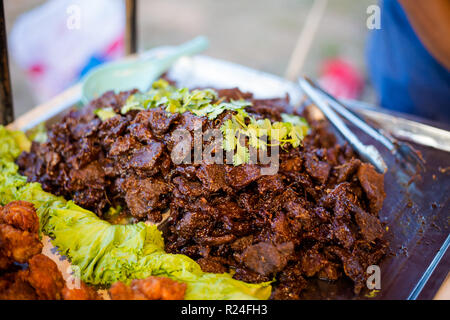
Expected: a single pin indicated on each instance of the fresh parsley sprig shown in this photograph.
(259, 132)
(202, 103)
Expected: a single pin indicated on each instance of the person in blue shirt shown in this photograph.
(409, 57)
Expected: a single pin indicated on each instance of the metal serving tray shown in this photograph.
(415, 212)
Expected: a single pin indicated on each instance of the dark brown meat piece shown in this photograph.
(316, 168)
(160, 120)
(329, 272)
(213, 265)
(110, 100)
(188, 188)
(265, 258)
(145, 158)
(193, 222)
(190, 122)
(233, 94)
(341, 199)
(281, 230)
(300, 216)
(373, 185)
(111, 129)
(346, 170)
(123, 145)
(352, 266)
(271, 184)
(145, 195)
(270, 108)
(342, 233)
(140, 127)
(232, 216)
(87, 152)
(212, 177)
(291, 164)
(241, 176)
(250, 276)
(370, 225)
(290, 284)
(312, 262)
(93, 175)
(90, 198)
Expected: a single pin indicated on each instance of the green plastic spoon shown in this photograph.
(140, 74)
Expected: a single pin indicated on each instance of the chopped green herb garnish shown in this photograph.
(278, 133)
(202, 103)
(105, 113)
(236, 131)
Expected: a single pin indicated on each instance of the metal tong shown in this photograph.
(407, 156)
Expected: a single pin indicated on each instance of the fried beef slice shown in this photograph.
(266, 258)
(317, 217)
(373, 184)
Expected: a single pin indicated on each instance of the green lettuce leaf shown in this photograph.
(106, 253)
(38, 133)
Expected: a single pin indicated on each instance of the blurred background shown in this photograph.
(46, 56)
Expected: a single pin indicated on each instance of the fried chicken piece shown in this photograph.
(13, 288)
(21, 215)
(44, 276)
(19, 239)
(42, 281)
(83, 293)
(18, 245)
(5, 261)
(152, 288)
(19, 242)
(120, 291)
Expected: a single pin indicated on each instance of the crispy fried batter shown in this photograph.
(43, 275)
(14, 288)
(5, 261)
(152, 288)
(19, 239)
(120, 291)
(18, 245)
(21, 215)
(83, 293)
(41, 281)
(19, 242)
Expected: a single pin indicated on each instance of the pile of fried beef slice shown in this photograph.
(316, 218)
